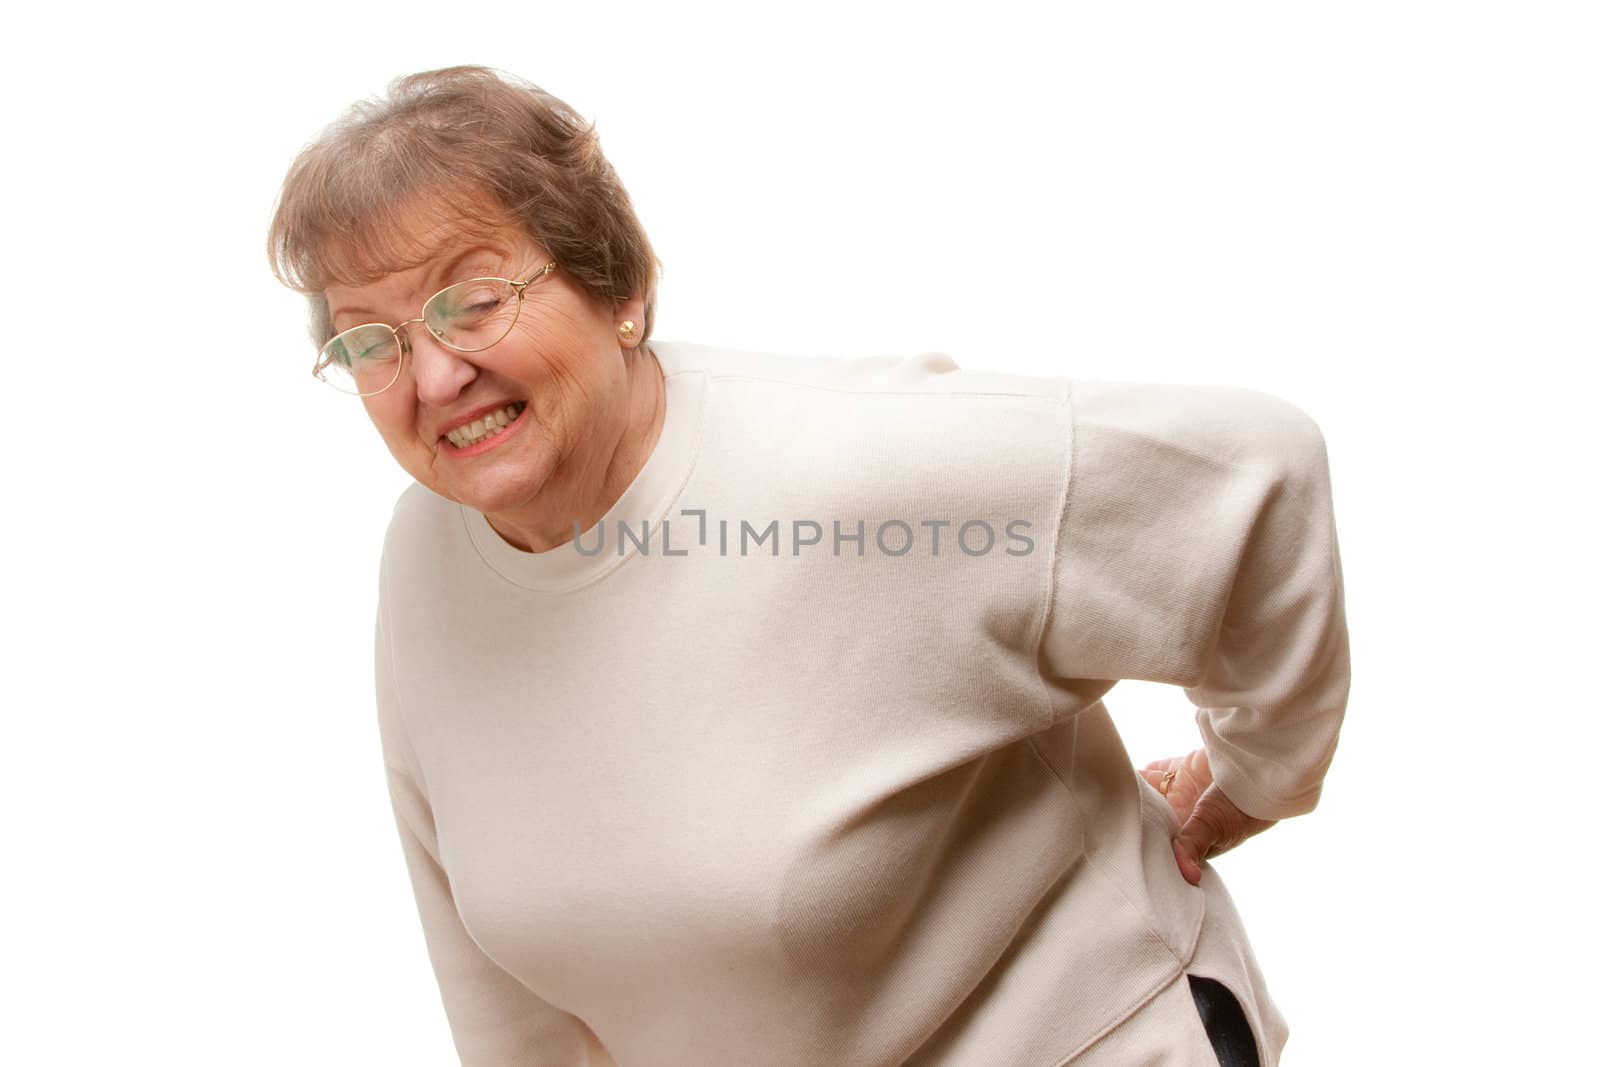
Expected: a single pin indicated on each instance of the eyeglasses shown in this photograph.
(469, 316)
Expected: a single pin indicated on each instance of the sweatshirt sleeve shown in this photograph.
(1197, 548)
(495, 1020)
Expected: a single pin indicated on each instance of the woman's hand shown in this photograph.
(1209, 824)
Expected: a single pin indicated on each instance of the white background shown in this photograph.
(1385, 213)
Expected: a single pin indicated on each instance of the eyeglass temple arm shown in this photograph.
(546, 269)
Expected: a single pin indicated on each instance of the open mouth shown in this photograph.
(485, 427)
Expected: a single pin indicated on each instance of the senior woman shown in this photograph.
(743, 708)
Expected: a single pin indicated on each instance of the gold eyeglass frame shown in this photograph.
(324, 359)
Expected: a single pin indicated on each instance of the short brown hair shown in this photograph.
(458, 130)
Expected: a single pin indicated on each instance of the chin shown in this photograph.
(500, 490)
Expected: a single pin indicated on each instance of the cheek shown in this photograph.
(543, 351)
(391, 420)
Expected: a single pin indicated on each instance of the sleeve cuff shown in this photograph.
(1249, 793)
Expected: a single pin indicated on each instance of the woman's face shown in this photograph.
(562, 361)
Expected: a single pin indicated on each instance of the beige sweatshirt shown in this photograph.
(798, 757)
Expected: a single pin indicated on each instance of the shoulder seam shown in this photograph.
(1064, 495)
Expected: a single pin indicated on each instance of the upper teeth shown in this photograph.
(487, 426)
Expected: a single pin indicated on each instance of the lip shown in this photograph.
(512, 428)
(477, 413)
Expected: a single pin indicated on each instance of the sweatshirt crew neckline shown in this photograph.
(645, 500)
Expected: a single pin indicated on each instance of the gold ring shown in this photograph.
(1166, 782)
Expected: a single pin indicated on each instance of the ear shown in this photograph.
(630, 309)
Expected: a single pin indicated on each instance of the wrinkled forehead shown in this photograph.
(393, 245)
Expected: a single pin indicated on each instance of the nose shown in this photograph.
(440, 373)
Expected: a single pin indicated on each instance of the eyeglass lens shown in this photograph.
(469, 316)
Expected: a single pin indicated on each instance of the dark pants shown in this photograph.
(1225, 1023)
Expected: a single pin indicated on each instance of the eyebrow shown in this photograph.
(449, 269)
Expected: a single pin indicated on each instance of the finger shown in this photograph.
(1211, 827)
(1173, 789)
(1154, 777)
(1210, 830)
(1187, 864)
